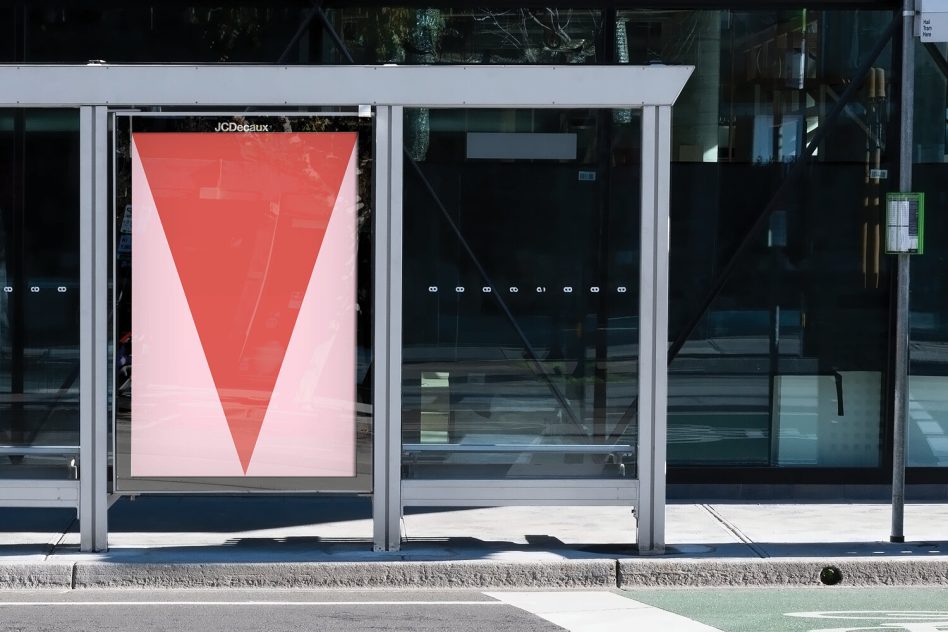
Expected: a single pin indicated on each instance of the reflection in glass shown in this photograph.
(407, 35)
(928, 348)
(521, 295)
(248, 33)
(292, 33)
(787, 366)
(39, 292)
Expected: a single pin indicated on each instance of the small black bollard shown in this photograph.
(830, 575)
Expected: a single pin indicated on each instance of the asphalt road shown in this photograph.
(238, 611)
(829, 609)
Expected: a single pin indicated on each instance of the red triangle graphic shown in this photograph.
(244, 216)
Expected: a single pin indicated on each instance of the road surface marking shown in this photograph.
(887, 620)
(251, 603)
(598, 611)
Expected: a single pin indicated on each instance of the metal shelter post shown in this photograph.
(902, 306)
(387, 341)
(93, 316)
(653, 327)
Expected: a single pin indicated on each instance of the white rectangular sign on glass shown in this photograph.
(931, 21)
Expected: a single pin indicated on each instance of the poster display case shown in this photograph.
(241, 362)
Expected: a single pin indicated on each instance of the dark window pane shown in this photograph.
(292, 33)
(251, 33)
(928, 382)
(39, 279)
(787, 366)
(521, 326)
(469, 36)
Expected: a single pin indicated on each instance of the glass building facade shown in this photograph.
(521, 260)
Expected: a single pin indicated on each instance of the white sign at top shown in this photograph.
(931, 20)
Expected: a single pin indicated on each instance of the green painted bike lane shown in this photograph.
(792, 609)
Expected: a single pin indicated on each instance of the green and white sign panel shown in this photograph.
(905, 223)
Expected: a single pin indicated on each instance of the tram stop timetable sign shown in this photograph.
(931, 21)
(905, 223)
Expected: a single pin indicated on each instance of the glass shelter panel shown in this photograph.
(521, 268)
(788, 365)
(928, 379)
(39, 292)
(241, 266)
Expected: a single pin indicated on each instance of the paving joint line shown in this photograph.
(59, 540)
(737, 532)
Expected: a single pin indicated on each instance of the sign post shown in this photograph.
(901, 364)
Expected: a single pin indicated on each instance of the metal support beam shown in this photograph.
(387, 402)
(39, 493)
(93, 314)
(653, 328)
(224, 85)
(901, 364)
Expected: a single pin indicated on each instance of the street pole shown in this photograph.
(900, 416)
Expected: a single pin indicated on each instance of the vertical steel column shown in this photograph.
(901, 365)
(645, 536)
(660, 380)
(93, 340)
(653, 328)
(387, 401)
(396, 179)
(380, 492)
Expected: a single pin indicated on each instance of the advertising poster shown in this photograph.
(244, 305)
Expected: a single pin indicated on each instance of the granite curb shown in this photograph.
(598, 574)
(401, 574)
(29, 575)
(638, 573)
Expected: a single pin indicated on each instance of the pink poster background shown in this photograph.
(178, 426)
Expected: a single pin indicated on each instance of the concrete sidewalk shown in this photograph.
(311, 542)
